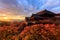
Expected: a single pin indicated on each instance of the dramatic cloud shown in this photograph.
(56, 9)
(27, 7)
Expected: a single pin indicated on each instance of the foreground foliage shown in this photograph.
(20, 31)
(41, 32)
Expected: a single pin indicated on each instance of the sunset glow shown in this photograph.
(11, 17)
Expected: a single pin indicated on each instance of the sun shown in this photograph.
(5, 17)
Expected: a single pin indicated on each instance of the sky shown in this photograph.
(27, 7)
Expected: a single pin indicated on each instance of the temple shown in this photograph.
(43, 16)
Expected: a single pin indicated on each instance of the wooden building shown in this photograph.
(45, 14)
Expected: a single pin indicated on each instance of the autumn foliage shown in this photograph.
(20, 31)
(41, 32)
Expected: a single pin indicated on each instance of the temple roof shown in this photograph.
(45, 12)
(58, 14)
